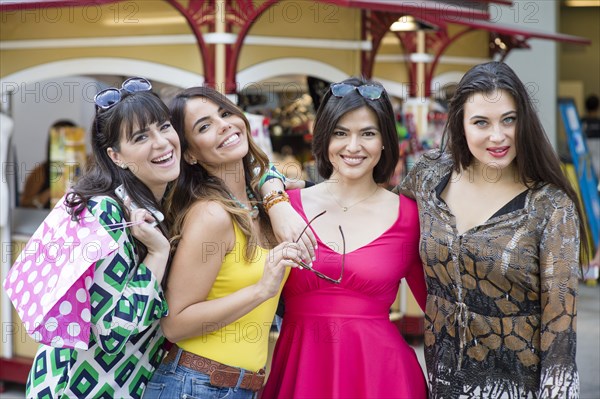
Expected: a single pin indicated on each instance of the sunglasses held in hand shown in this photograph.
(316, 272)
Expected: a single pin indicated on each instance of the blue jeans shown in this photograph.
(171, 381)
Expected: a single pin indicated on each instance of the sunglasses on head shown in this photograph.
(371, 92)
(107, 98)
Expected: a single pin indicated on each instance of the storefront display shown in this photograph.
(67, 160)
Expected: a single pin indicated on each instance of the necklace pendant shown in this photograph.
(254, 213)
(345, 208)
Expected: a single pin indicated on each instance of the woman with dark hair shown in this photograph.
(133, 145)
(501, 230)
(336, 339)
(227, 272)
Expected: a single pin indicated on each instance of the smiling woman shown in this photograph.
(149, 153)
(367, 243)
(501, 230)
(134, 146)
(224, 248)
(490, 121)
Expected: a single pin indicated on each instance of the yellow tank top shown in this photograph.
(243, 343)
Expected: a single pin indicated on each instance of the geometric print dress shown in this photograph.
(126, 343)
(500, 319)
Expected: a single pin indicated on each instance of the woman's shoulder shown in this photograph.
(103, 200)
(207, 220)
(428, 171)
(295, 193)
(296, 196)
(308, 193)
(550, 195)
(208, 211)
(105, 206)
(408, 207)
(407, 201)
(433, 161)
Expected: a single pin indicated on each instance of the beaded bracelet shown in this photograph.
(274, 194)
(277, 200)
(275, 197)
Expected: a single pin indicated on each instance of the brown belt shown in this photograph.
(220, 374)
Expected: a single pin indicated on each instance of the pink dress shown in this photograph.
(337, 340)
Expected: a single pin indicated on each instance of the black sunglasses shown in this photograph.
(316, 272)
(371, 92)
(107, 98)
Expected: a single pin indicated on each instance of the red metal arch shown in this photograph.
(200, 14)
(378, 15)
(245, 15)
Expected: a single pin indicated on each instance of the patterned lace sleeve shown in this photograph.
(408, 186)
(411, 184)
(125, 299)
(559, 269)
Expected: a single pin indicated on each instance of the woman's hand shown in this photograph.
(287, 226)
(286, 254)
(157, 244)
(149, 235)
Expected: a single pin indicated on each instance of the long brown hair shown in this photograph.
(196, 183)
(536, 162)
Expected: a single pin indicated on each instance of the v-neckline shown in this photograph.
(518, 202)
(303, 214)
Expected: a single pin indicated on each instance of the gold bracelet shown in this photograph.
(271, 196)
(277, 200)
(274, 194)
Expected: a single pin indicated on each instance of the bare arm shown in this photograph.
(207, 236)
(288, 224)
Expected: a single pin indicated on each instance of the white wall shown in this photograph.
(537, 67)
(36, 106)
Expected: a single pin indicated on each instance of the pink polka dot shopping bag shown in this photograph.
(50, 281)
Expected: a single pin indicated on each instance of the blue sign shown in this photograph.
(587, 179)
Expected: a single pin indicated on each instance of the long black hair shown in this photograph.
(536, 162)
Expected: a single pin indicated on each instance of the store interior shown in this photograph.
(286, 103)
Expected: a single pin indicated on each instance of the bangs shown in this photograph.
(139, 110)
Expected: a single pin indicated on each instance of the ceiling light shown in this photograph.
(406, 23)
(582, 3)
(169, 20)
